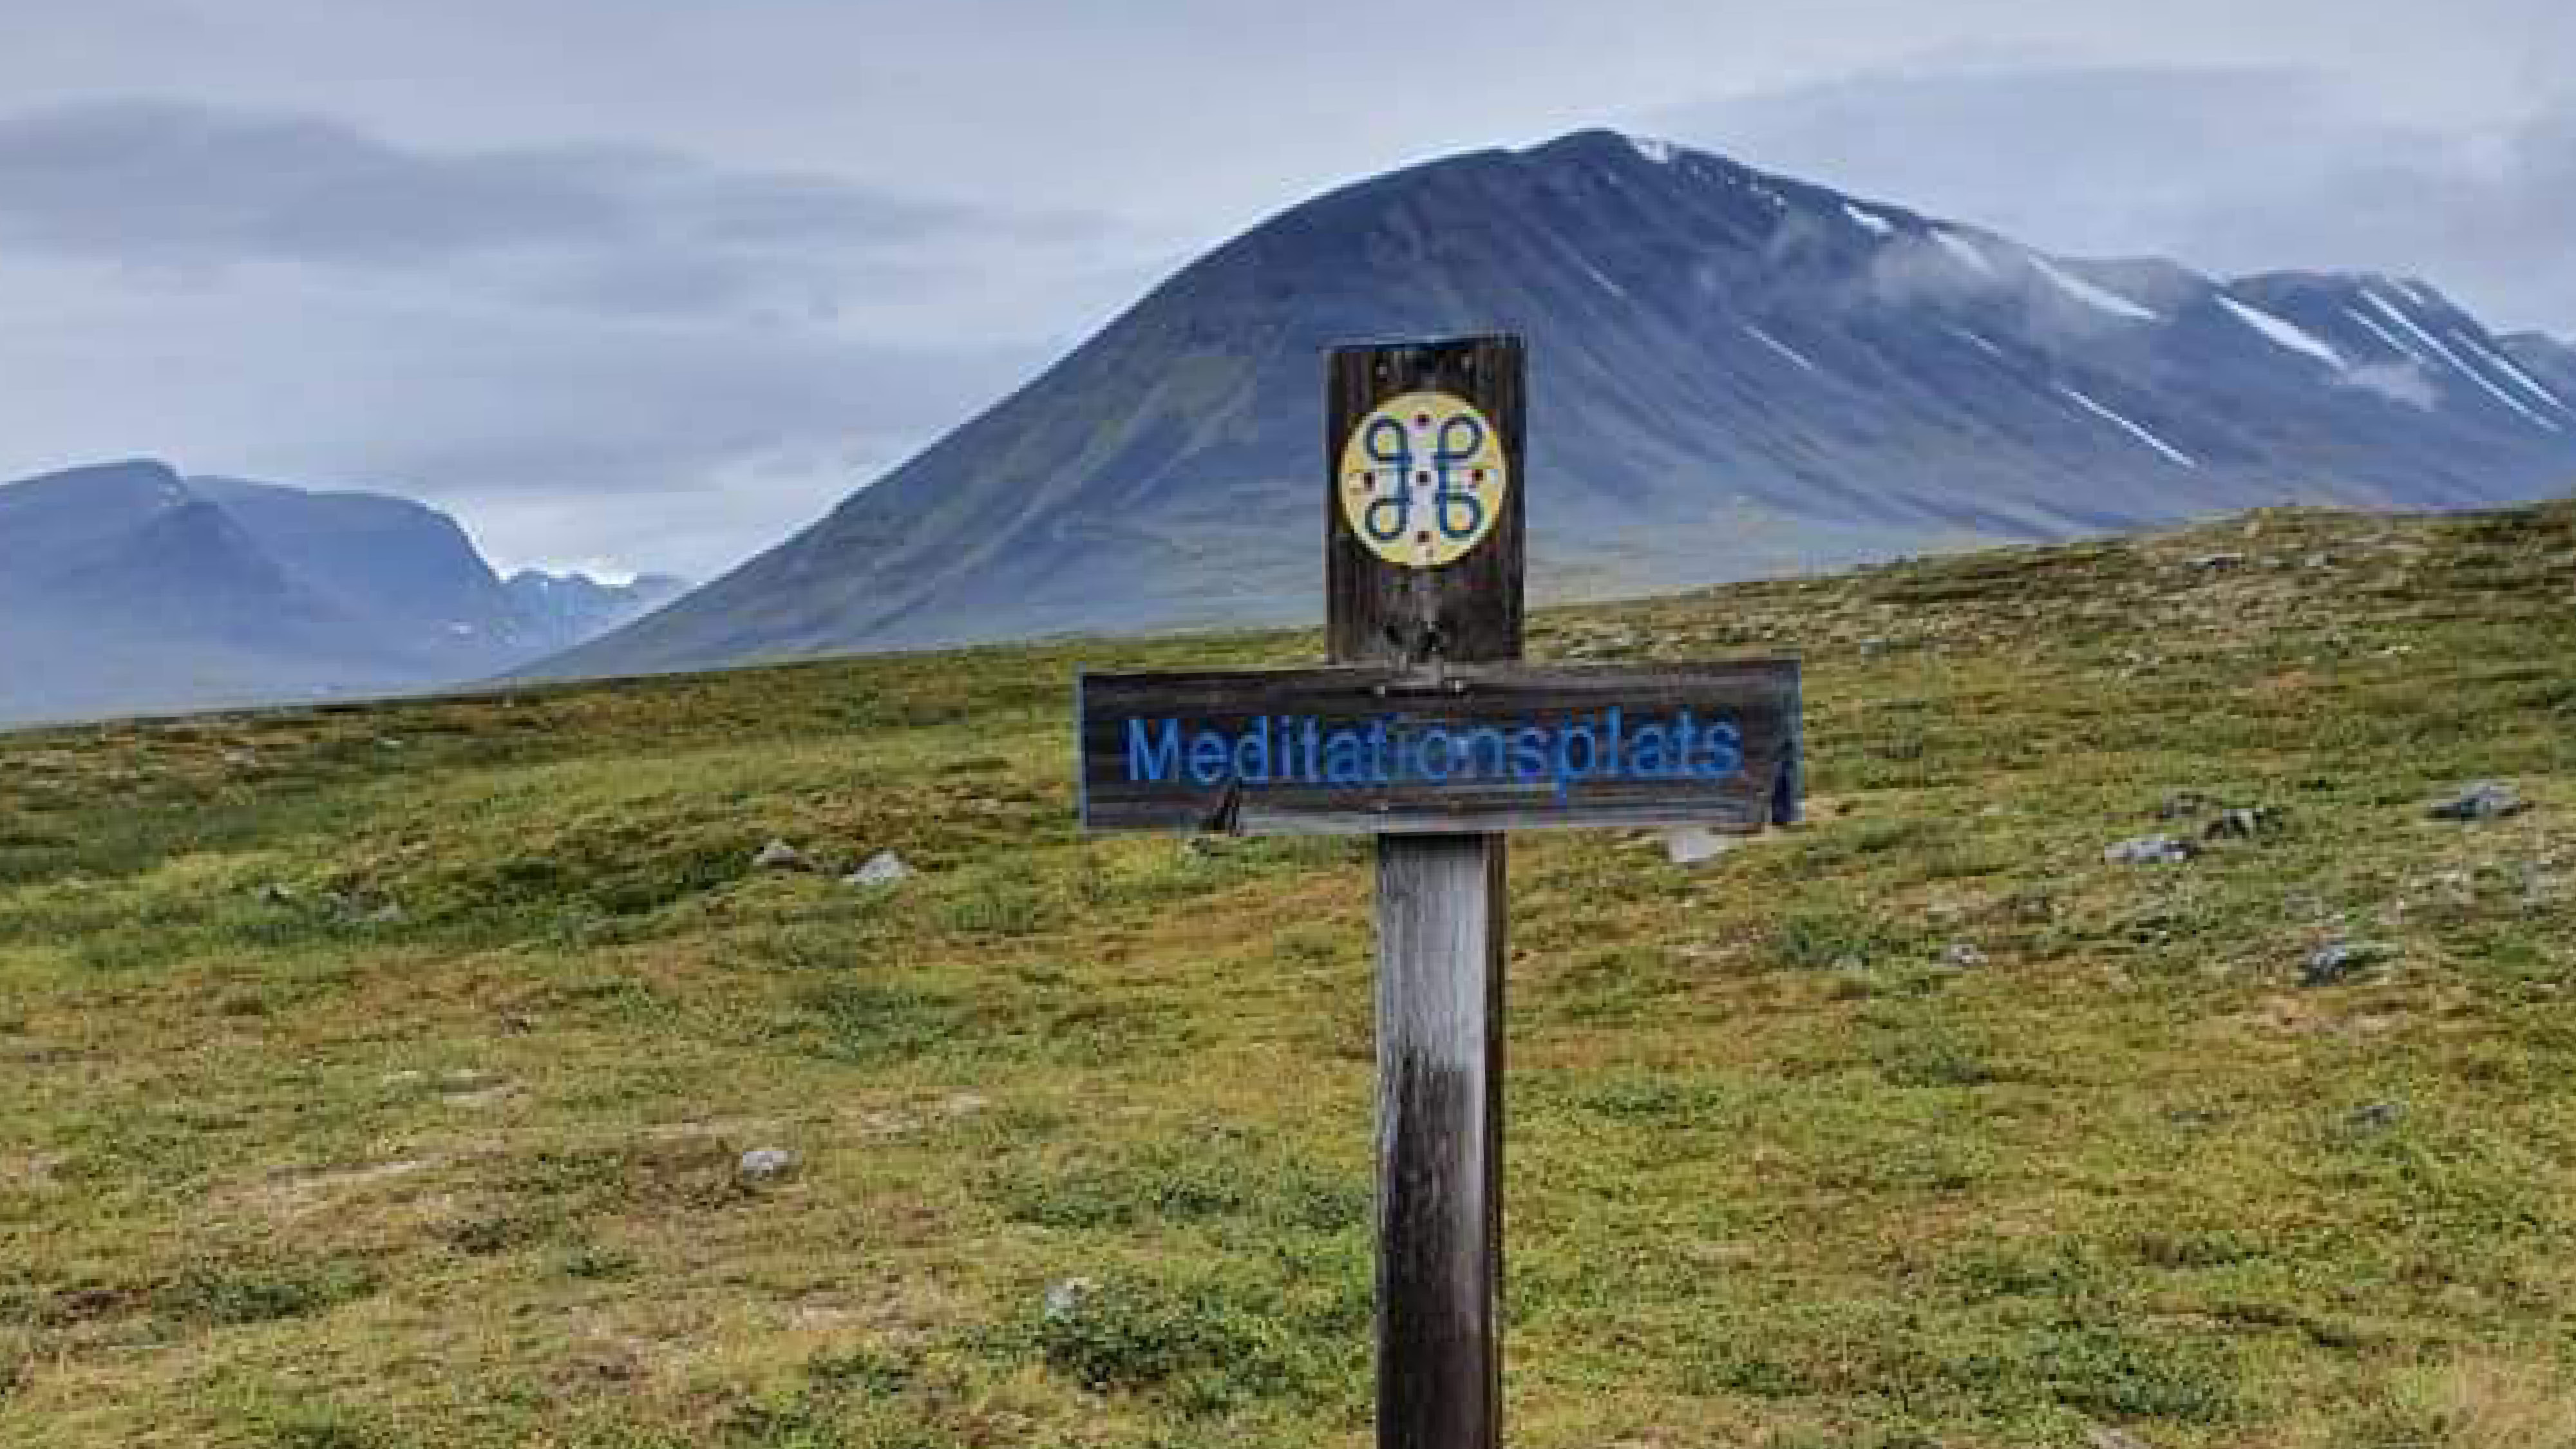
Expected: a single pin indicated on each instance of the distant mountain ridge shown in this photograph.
(1733, 374)
(574, 606)
(127, 587)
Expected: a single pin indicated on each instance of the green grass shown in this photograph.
(375, 1075)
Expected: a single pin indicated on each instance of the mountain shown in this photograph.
(404, 567)
(125, 587)
(568, 608)
(2552, 362)
(1732, 374)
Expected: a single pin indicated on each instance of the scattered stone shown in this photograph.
(388, 914)
(2150, 850)
(2377, 1115)
(2335, 960)
(2244, 823)
(1063, 1300)
(1961, 956)
(1695, 844)
(766, 1164)
(277, 895)
(241, 759)
(2216, 560)
(2182, 804)
(2103, 1436)
(883, 868)
(778, 855)
(2485, 800)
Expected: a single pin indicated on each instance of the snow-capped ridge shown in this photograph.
(2397, 314)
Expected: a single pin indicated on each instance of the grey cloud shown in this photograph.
(2397, 381)
(166, 184)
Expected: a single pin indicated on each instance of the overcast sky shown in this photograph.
(643, 284)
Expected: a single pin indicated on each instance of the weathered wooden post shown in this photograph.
(1426, 732)
(1441, 923)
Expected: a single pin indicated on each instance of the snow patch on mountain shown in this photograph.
(2395, 343)
(1964, 249)
(2506, 366)
(1868, 220)
(1977, 340)
(1783, 348)
(1654, 149)
(2100, 299)
(2283, 332)
(2134, 428)
(2398, 315)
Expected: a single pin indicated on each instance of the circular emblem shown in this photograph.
(1422, 479)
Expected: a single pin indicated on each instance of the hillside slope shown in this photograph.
(1733, 374)
(381, 1075)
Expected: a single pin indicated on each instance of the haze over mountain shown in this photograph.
(1733, 374)
(127, 587)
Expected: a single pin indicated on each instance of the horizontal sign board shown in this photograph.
(1465, 748)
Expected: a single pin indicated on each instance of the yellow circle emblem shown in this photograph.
(1422, 479)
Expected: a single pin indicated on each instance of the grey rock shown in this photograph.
(2216, 560)
(2103, 1436)
(1695, 844)
(766, 1164)
(2150, 850)
(1961, 956)
(883, 868)
(2182, 804)
(2336, 960)
(1064, 1300)
(2377, 1115)
(778, 855)
(2243, 823)
(2485, 800)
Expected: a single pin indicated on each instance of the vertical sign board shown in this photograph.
(1427, 732)
(1422, 569)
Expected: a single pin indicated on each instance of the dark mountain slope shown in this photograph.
(1732, 374)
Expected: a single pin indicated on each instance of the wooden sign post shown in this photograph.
(1428, 733)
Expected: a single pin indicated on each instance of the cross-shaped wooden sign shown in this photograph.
(1426, 732)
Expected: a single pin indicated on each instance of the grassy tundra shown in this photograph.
(378, 1076)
